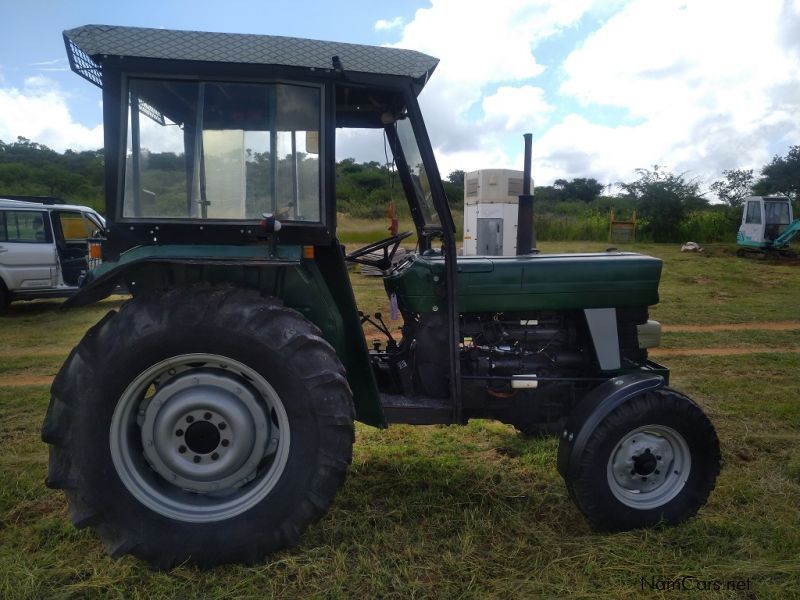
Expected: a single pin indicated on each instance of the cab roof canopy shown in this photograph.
(88, 47)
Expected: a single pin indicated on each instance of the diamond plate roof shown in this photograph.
(86, 46)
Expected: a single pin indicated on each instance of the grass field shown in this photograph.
(475, 511)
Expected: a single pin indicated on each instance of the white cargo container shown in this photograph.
(491, 199)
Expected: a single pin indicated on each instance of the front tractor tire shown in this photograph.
(201, 425)
(653, 460)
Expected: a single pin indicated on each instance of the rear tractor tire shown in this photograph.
(653, 460)
(201, 425)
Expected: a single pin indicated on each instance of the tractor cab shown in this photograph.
(221, 152)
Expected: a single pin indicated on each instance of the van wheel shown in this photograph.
(200, 425)
(5, 299)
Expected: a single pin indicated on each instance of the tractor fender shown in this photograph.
(595, 406)
(101, 283)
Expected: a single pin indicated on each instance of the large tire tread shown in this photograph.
(312, 359)
(588, 487)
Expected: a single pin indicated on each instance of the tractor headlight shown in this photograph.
(649, 334)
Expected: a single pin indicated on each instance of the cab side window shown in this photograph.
(24, 226)
(3, 236)
(753, 213)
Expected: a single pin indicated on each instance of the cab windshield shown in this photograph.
(777, 213)
(416, 169)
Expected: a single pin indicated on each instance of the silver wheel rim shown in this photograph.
(649, 466)
(199, 438)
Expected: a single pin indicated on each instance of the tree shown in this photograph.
(781, 175)
(546, 193)
(27, 167)
(737, 185)
(454, 189)
(663, 199)
(456, 177)
(580, 188)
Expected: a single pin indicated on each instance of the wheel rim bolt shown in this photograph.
(197, 459)
(225, 443)
(214, 456)
(207, 416)
(222, 426)
(182, 449)
(179, 433)
(190, 419)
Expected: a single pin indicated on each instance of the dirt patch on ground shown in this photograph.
(764, 326)
(22, 380)
(720, 351)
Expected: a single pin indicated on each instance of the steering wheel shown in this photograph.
(361, 256)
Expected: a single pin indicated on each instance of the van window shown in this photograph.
(75, 226)
(753, 213)
(24, 226)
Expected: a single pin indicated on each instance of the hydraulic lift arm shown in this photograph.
(787, 235)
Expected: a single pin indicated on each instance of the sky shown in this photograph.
(605, 86)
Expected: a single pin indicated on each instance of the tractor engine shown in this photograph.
(497, 347)
(517, 345)
(520, 368)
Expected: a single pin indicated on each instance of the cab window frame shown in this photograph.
(753, 213)
(320, 225)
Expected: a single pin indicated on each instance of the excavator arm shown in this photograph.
(787, 235)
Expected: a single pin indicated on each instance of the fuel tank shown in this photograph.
(527, 283)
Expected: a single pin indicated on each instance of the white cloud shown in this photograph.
(516, 108)
(363, 145)
(49, 63)
(386, 25)
(712, 85)
(706, 86)
(39, 112)
(482, 45)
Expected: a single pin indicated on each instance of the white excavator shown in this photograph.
(767, 227)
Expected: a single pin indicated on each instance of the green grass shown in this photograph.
(778, 340)
(462, 512)
(355, 230)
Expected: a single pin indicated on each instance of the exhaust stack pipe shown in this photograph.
(526, 236)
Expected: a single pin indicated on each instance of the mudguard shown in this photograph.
(104, 280)
(596, 406)
(317, 288)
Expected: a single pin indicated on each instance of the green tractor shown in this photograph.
(211, 419)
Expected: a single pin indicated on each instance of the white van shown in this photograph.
(43, 247)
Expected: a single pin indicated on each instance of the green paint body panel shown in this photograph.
(199, 252)
(318, 289)
(535, 282)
